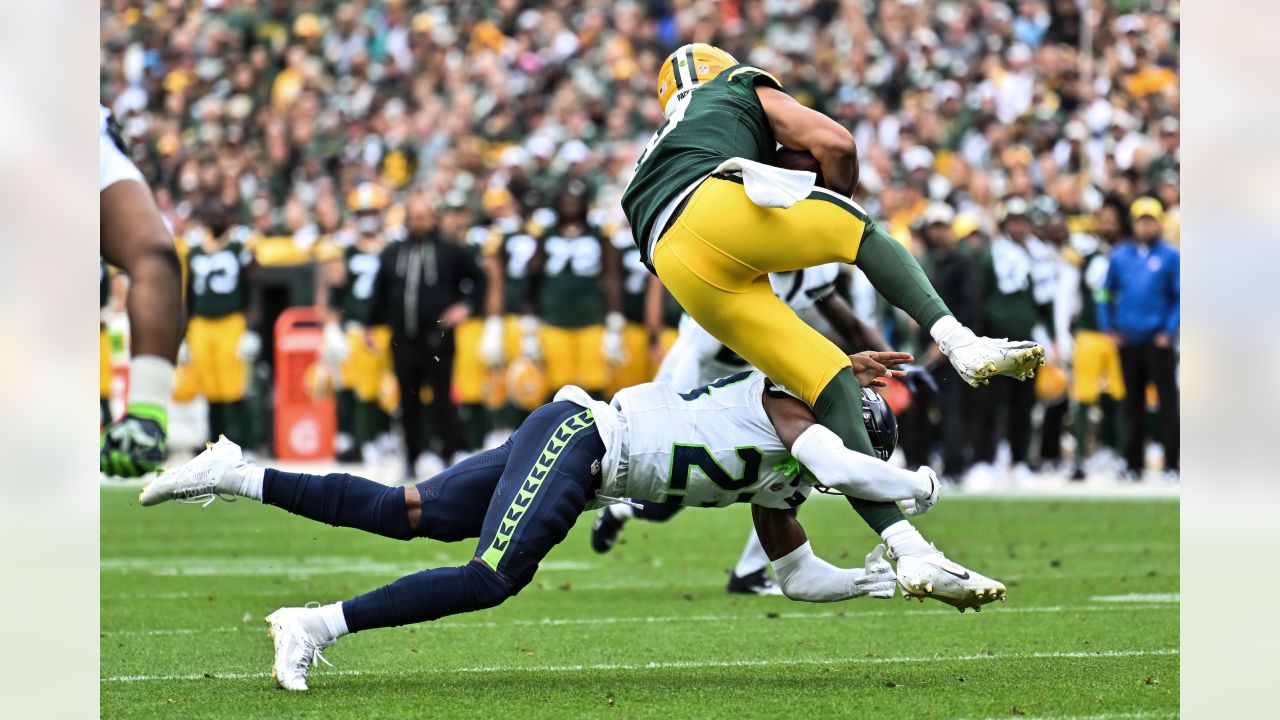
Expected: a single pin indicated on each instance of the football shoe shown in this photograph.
(297, 650)
(934, 576)
(197, 480)
(984, 358)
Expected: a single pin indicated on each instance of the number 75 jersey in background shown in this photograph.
(711, 446)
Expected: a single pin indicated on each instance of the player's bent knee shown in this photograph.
(486, 586)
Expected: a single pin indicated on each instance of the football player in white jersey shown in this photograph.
(698, 358)
(134, 238)
(734, 440)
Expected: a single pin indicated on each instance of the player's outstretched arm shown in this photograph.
(837, 467)
(800, 128)
(805, 576)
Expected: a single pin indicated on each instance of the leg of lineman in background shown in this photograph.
(955, 406)
(715, 258)
(748, 577)
(408, 359)
(1055, 418)
(444, 414)
(520, 499)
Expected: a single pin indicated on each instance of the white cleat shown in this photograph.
(195, 481)
(296, 649)
(934, 576)
(984, 358)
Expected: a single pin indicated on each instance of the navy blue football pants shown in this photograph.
(519, 499)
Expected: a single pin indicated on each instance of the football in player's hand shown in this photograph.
(798, 160)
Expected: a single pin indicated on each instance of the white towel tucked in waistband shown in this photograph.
(770, 186)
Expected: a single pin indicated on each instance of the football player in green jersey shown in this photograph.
(219, 337)
(713, 218)
(361, 355)
(575, 290)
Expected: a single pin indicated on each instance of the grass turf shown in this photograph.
(1090, 629)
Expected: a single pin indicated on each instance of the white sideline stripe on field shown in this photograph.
(1139, 598)
(656, 619)
(671, 665)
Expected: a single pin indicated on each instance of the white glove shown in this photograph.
(334, 348)
(879, 580)
(614, 350)
(922, 505)
(530, 345)
(250, 346)
(491, 342)
(184, 354)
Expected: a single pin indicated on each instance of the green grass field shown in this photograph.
(1090, 628)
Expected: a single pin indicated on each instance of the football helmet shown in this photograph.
(1051, 384)
(367, 202)
(688, 67)
(526, 384)
(882, 426)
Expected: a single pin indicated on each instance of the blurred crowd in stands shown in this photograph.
(1027, 151)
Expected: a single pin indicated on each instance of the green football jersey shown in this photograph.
(357, 291)
(719, 120)
(569, 295)
(476, 241)
(217, 282)
(634, 275)
(515, 247)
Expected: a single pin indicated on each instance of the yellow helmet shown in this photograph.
(1051, 384)
(526, 384)
(688, 67)
(367, 197)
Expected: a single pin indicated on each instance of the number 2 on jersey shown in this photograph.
(686, 457)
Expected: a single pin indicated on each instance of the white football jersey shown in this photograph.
(711, 446)
(113, 164)
(697, 357)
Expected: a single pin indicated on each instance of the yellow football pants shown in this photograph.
(1095, 368)
(716, 258)
(470, 372)
(474, 380)
(104, 364)
(574, 356)
(639, 366)
(213, 343)
(365, 367)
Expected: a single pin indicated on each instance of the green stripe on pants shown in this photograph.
(532, 483)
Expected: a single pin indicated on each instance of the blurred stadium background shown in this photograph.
(268, 116)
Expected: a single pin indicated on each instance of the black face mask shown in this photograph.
(421, 236)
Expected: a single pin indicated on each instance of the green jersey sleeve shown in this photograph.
(743, 79)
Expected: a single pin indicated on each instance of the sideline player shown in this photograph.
(735, 440)
(220, 335)
(132, 236)
(361, 354)
(712, 219)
